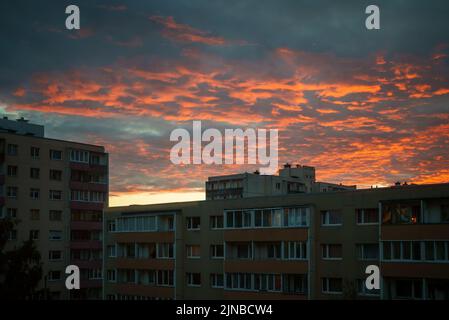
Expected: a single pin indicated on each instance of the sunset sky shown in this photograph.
(363, 107)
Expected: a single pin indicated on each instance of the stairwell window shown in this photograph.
(193, 279)
(331, 218)
(34, 152)
(216, 222)
(55, 235)
(368, 251)
(11, 192)
(34, 193)
(193, 251)
(193, 223)
(367, 216)
(54, 276)
(55, 154)
(331, 251)
(216, 280)
(332, 285)
(55, 195)
(217, 251)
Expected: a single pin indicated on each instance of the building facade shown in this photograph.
(291, 179)
(297, 246)
(56, 192)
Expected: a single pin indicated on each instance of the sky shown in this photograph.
(365, 107)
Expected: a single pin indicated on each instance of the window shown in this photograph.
(295, 284)
(165, 277)
(54, 275)
(244, 251)
(267, 282)
(193, 251)
(367, 216)
(331, 251)
(410, 250)
(12, 235)
(216, 280)
(11, 213)
(34, 152)
(55, 235)
(34, 193)
(80, 195)
(239, 281)
(362, 290)
(79, 156)
(112, 251)
(55, 175)
(295, 217)
(165, 250)
(216, 222)
(193, 279)
(274, 251)
(55, 195)
(401, 213)
(111, 225)
(193, 223)
(55, 215)
(34, 214)
(95, 274)
(217, 251)
(444, 213)
(331, 218)
(12, 150)
(111, 275)
(97, 196)
(55, 255)
(12, 171)
(34, 173)
(409, 289)
(295, 250)
(139, 224)
(12, 192)
(34, 234)
(368, 251)
(331, 285)
(55, 154)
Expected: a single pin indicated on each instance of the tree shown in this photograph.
(20, 268)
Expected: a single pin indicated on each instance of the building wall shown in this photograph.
(349, 234)
(24, 204)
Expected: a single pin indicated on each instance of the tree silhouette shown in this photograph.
(20, 268)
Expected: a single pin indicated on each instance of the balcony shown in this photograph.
(262, 234)
(86, 225)
(86, 244)
(257, 295)
(143, 237)
(142, 290)
(414, 232)
(81, 205)
(81, 166)
(266, 266)
(91, 283)
(153, 264)
(87, 264)
(90, 186)
(414, 269)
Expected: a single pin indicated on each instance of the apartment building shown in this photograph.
(291, 179)
(56, 191)
(294, 246)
